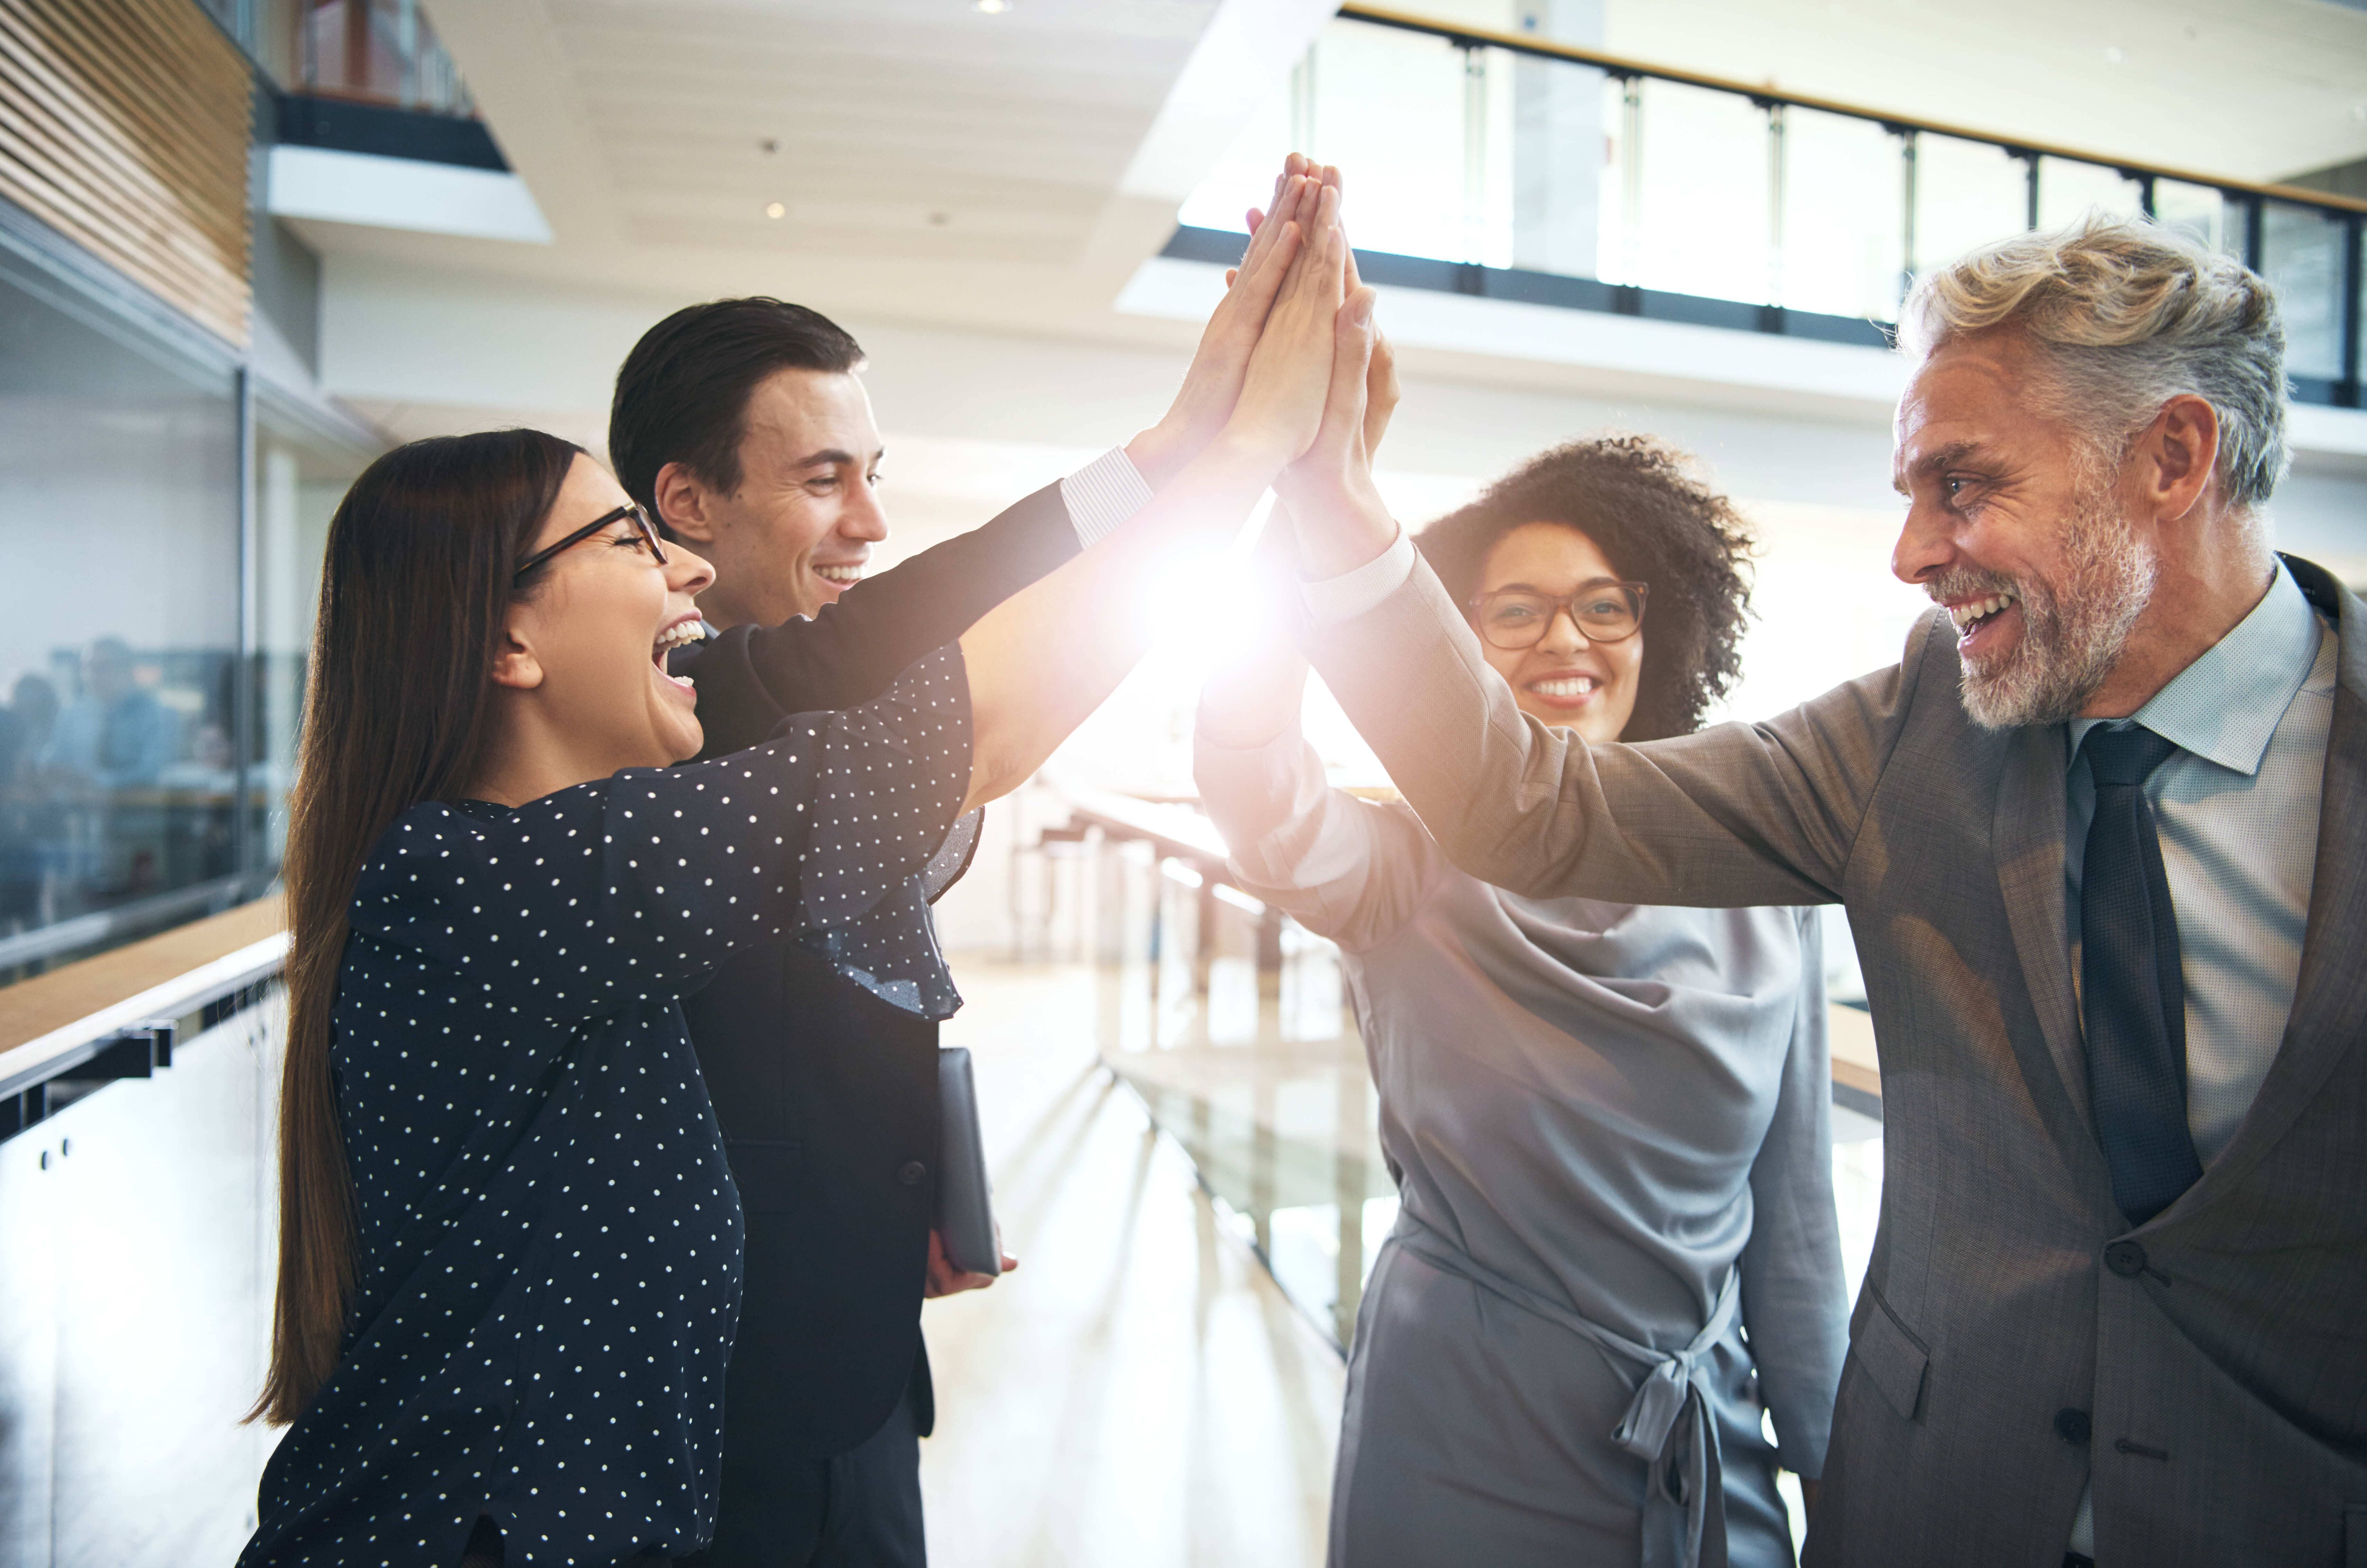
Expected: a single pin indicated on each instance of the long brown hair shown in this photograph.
(413, 592)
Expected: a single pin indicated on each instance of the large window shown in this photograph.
(132, 720)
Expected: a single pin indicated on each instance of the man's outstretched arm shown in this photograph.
(1735, 815)
(751, 677)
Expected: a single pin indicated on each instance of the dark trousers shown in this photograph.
(858, 1509)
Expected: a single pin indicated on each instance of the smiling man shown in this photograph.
(744, 426)
(2102, 838)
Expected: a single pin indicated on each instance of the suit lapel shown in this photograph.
(2330, 997)
(2029, 834)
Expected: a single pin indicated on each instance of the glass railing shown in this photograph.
(372, 51)
(1502, 164)
(1234, 1027)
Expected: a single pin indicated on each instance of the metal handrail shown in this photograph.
(61, 1051)
(1621, 65)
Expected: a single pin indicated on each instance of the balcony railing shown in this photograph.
(382, 52)
(1508, 165)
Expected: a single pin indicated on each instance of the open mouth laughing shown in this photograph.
(1980, 622)
(681, 634)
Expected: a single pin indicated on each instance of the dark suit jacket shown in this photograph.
(826, 1095)
(2014, 1336)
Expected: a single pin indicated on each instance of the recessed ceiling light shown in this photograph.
(992, 8)
(775, 209)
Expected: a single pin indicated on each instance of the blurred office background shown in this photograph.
(247, 244)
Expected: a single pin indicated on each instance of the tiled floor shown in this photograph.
(1139, 1391)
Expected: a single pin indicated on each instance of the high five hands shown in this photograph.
(1331, 508)
(1296, 276)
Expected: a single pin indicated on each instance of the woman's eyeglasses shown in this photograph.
(1603, 610)
(641, 525)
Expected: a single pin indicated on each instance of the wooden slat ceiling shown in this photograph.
(124, 125)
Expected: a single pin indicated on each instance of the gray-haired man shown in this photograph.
(2102, 837)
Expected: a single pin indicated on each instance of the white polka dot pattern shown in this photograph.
(549, 1243)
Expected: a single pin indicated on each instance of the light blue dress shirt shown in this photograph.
(2236, 807)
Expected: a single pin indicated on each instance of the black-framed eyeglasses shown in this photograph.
(640, 520)
(1605, 610)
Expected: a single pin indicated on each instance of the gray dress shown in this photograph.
(1610, 1128)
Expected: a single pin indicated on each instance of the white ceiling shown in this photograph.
(931, 161)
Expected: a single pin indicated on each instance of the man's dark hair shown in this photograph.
(681, 396)
(1655, 523)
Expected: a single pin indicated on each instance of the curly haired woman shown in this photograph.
(1609, 1123)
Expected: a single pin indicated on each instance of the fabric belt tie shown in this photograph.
(1668, 1424)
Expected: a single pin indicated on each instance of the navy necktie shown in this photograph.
(2132, 994)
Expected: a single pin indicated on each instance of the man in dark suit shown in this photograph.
(744, 427)
(2102, 838)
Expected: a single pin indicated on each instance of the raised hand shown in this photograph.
(1381, 377)
(1214, 380)
(1337, 515)
(1284, 392)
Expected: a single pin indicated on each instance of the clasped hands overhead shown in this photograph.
(1294, 382)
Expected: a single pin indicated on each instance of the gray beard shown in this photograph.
(2073, 632)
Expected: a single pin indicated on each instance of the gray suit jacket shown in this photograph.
(2224, 1381)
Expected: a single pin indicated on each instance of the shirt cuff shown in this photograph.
(1331, 599)
(1102, 494)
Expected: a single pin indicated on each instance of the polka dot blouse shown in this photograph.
(548, 1266)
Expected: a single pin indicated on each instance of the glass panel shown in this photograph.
(2203, 212)
(1232, 1023)
(1243, 176)
(1386, 100)
(2068, 190)
(266, 29)
(1703, 184)
(119, 507)
(1557, 142)
(379, 51)
(2301, 256)
(1966, 194)
(300, 477)
(1844, 231)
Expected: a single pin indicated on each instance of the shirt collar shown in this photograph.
(2225, 706)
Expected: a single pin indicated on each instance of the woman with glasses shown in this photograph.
(510, 1248)
(1608, 1125)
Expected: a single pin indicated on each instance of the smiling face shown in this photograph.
(585, 645)
(2017, 528)
(799, 530)
(1563, 679)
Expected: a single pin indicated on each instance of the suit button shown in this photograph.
(910, 1172)
(2125, 1258)
(2071, 1424)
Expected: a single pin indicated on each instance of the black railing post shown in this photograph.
(2255, 218)
(2029, 189)
(246, 677)
(1777, 171)
(2354, 236)
(1906, 256)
